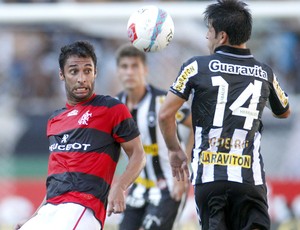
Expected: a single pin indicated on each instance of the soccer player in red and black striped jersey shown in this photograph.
(230, 91)
(85, 139)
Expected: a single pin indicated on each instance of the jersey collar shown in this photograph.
(68, 106)
(123, 99)
(234, 52)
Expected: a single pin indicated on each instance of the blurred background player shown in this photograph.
(84, 142)
(230, 91)
(154, 199)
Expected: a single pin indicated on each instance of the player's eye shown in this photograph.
(124, 66)
(135, 65)
(88, 71)
(73, 71)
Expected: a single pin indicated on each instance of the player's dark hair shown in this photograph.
(232, 17)
(130, 51)
(82, 49)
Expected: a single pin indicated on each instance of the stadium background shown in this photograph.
(31, 33)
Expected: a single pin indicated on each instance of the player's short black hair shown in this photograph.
(129, 50)
(80, 49)
(232, 17)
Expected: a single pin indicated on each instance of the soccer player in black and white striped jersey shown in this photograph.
(155, 200)
(230, 91)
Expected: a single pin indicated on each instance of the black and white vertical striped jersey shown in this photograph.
(157, 174)
(230, 90)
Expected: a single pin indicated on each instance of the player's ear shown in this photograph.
(61, 75)
(223, 38)
(96, 71)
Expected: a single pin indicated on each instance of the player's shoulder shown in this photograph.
(57, 112)
(200, 59)
(196, 64)
(266, 67)
(156, 91)
(266, 70)
(105, 100)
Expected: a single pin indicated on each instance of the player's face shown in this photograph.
(79, 75)
(132, 72)
(213, 40)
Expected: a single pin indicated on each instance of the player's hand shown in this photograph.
(179, 164)
(179, 188)
(116, 200)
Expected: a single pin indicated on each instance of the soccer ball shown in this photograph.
(150, 29)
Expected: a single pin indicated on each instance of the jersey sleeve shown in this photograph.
(182, 85)
(278, 99)
(125, 128)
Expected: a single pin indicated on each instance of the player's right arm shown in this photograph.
(168, 127)
(19, 225)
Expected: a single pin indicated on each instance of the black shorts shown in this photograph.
(150, 216)
(224, 205)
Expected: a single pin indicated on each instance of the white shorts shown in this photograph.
(68, 216)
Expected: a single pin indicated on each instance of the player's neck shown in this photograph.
(134, 96)
(241, 46)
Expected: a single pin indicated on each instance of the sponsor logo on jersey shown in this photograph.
(73, 113)
(188, 71)
(151, 149)
(179, 116)
(280, 93)
(65, 138)
(254, 71)
(69, 147)
(151, 119)
(228, 143)
(225, 159)
(85, 118)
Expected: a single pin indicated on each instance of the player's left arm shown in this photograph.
(136, 161)
(279, 101)
(286, 114)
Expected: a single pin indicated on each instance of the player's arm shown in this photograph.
(167, 123)
(136, 161)
(190, 140)
(278, 101)
(19, 225)
(181, 187)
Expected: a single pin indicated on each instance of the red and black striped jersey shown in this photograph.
(84, 144)
(230, 90)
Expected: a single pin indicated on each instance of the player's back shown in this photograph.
(230, 90)
(230, 93)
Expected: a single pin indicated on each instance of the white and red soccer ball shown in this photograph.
(150, 29)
